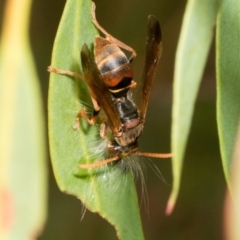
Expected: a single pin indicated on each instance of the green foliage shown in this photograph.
(228, 81)
(193, 47)
(196, 36)
(228, 107)
(22, 149)
(101, 190)
(108, 191)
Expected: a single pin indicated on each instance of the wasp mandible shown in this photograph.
(109, 77)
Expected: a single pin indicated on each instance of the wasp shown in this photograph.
(109, 76)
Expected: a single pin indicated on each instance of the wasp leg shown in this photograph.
(82, 113)
(133, 85)
(74, 74)
(110, 37)
(103, 129)
(64, 72)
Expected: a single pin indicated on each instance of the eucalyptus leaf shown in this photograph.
(107, 190)
(232, 208)
(22, 142)
(228, 81)
(193, 47)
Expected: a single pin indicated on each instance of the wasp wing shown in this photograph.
(95, 82)
(153, 54)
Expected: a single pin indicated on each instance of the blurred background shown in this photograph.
(199, 210)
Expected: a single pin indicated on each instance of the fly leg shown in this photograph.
(110, 37)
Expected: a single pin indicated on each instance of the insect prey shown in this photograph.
(109, 76)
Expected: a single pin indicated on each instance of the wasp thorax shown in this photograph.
(112, 63)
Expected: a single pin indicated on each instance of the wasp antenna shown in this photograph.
(153, 155)
(100, 163)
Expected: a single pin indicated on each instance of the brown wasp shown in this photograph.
(109, 77)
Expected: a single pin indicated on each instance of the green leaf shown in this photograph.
(228, 81)
(22, 149)
(232, 208)
(108, 190)
(195, 40)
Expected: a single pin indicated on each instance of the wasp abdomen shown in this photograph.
(112, 63)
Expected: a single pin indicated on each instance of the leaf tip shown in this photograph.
(170, 206)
